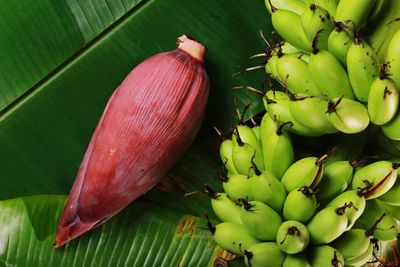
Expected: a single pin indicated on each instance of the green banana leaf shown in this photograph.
(59, 63)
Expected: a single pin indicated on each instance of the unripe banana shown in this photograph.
(392, 128)
(352, 243)
(304, 172)
(297, 260)
(300, 205)
(288, 26)
(376, 11)
(233, 237)
(237, 186)
(225, 209)
(244, 154)
(329, 75)
(277, 106)
(267, 127)
(314, 19)
(225, 152)
(378, 222)
(392, 210)
(328, 5)
(337, 177)
(265, 187)
(264, 255)
(310, 113)
(354, 212)
(356, 11)
(292, 237)
(287, 48)
(257, 130)
(363, 258)
(348, 116)
(278, 152)
(375, 179)
(295, 6)
(362, 68)
(339, 42)
(255, 214)
(393, 57)
(328, 224)
(325, 256)
(245, 134)
(294, 73)
(270, 67)
(383, 101)
(392, 197)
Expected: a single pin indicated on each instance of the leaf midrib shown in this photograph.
(56, 72)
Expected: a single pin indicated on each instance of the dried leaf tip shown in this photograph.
(191, 46)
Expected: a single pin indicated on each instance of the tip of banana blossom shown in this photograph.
(68, 232)
(191, 46)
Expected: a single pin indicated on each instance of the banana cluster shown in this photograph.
(331, 77)
(314, 211)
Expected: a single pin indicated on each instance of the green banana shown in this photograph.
(352, 244)
(255, 214)
(392, 129)
(310, 113)
(337, 177)
(381, 29)
(392, 197)
(270, 67)
(291, 5)
(356, 11)
(339, 42)
(297, 260)
(232, 236)
(328, 224)
(265, 254)
(363, 258)
(265, 187)
(277, 106)
(383, 100)
(257, 130)
(362, 67)
(325, 256)
(225, 209)
(392, 210)
(294, 73)
(380, 224)
(278, 151)
(393, 57)
(376, 10)
(245, 134)
(288, 25)
(348, 116)
(300, 205)
(375, 179)
(304, 172)
(237, 186)
(329, 5)
(267, 127)
(328, 74)
(315, 19)
(292, 237)
(225, 152)
(243, 154)
(287, 48)
(357, 201)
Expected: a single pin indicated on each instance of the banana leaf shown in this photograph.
(59, 64)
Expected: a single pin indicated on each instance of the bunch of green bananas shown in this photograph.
(339, 67)
(338, 75)
(313, 211)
